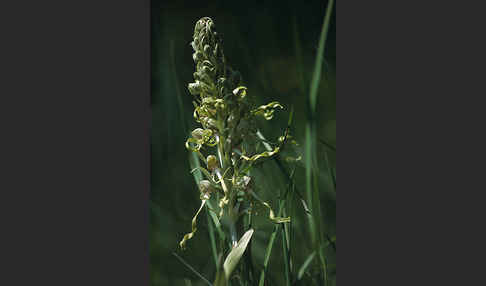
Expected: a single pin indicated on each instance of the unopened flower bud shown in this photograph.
(193, 45)
(197, 56)
(194, 88)
(207, 49)
(205, 186)
(208, 122)
(212, 162)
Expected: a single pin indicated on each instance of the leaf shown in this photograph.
(235, 255)
(316, 76)
(220, 279)
(269, 247)
(192, 269)
(305, 265)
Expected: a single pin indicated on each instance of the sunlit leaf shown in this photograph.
(235, 255)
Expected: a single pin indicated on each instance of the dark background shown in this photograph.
(260, 40)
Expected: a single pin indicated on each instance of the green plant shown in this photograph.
(230, 136)
(229, 145)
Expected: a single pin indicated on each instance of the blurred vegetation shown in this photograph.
(274, 45)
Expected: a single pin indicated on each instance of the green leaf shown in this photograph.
(305, 265)
(220, 279)
(192, 269)
(269, 249)
(316, 77)
(235, 255)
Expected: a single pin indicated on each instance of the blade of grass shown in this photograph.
(318, 221)
(329, 170)
(191, 268)
(177, 87)
(269, 248)
(320, 57)
(310, 153)
(305, 265)
(308, 143)
(248, 253)
(290, 233)
(333, 173)
(327, 144)
(286, 256)
(308, 182)
(298, 55)
(267, 255)
(220, 279)
(211, 238)
(286, 231)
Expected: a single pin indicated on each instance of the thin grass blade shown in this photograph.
(316, 77)
(192, 269)
(305, 265)
(269, 249)
(312, 188)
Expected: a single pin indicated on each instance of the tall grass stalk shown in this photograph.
(311, 166)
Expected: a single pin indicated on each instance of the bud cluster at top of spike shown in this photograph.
(212, 76)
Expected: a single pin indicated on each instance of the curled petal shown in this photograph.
(267, 110)
(264, 154)
(195, 146)
(194, 228)
(201, 137)
(272, 216)
(198, 133)
(240, 91)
